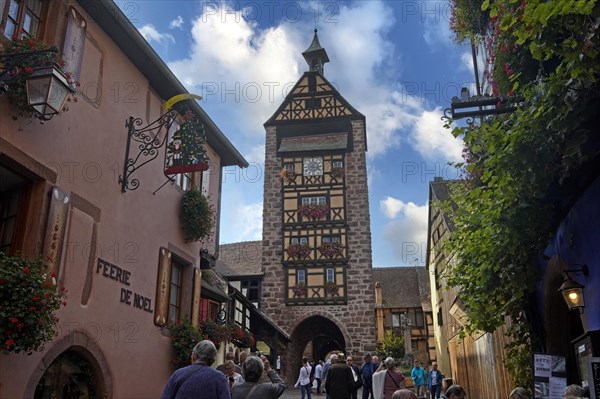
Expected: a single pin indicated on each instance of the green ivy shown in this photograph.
(503, 210)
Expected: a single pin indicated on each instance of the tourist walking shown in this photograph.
(304, 378)
(356, 377)
(252, 370)
(394, 380)
(418, 376)
(339, 382)
(434, 381)
(318, 375)
(198, 378)
(367, 370)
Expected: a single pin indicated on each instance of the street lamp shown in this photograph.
(572, 290)
(47, 87)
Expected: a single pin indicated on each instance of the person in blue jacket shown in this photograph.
(434, 381)
(418, 376)
(367, 370)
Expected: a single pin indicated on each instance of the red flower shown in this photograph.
(26, 270)
(35, 298)
(14, 320)
(20, 325)
(9, 342)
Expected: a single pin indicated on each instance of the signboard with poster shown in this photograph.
(549, 376)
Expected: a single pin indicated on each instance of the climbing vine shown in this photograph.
(503, 210)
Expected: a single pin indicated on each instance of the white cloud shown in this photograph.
(437, 31)
(432, 140)
(407, 234)
(150, 33)
(177, 23)
(247, 223)
(234, 64)
(391, 207)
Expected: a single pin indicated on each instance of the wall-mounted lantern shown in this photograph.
(47, 87)
(572, 290)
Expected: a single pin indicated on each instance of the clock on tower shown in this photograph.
(313, 166)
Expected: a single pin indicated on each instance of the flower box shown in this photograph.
(331, 289)
(313, 212)
(299, 251)
(331, 249)
(300, 290)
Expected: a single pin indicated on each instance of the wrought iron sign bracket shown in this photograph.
(148, 140)
(471, 107)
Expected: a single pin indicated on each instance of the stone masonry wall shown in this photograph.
(356, 320)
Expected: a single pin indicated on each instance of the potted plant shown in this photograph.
(28, 302)
(299, 251)
(287, 175)
(184, 336)
(16, 86)
(300, 290)
(331, 288)
(331, 249)
(215, 331)
(313, 212)
(197, 216)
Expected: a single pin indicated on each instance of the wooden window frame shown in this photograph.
(20, 18)
(298, 273)
(330, 271)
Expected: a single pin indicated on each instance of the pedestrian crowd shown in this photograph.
(339, 378)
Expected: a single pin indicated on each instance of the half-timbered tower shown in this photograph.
(316, 226)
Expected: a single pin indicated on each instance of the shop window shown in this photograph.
(24, 18)
(209, 310)
(69, 376)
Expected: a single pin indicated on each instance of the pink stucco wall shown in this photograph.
(86, 147)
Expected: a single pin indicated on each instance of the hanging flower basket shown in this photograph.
(313, 212)
(183, 337)
(300, 290)
(299, 251)
(17, 85)
(197, 216)
(287, 175)
(337, 173)
(215, 331)
(331, 249)
(331, 288)
(28, 301)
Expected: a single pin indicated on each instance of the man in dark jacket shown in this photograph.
(367, 370)
(252, 370)
(339, 383)
(198, 379)
(356, 376)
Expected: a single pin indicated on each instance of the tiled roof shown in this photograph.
(440, 190)
(333, 141)
(404, 287)
(240, 259)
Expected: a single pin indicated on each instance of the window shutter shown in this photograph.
(163, 282)
(196, 297)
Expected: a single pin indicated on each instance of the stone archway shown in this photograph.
(75, 345)
(314, 336)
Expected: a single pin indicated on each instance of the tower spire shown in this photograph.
(315, 55)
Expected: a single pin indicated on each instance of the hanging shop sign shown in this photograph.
(185, 151)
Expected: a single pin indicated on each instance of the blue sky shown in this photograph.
(394, 61)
